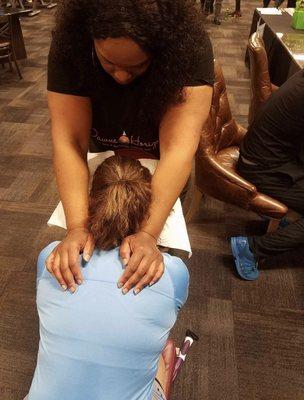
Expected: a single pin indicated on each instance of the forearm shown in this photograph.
(168, 181)
(72, 177)
(180, 131)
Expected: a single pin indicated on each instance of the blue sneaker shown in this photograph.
(283, 223)
(245, 263)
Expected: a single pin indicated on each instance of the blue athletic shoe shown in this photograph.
(245, 263)
(283, 223)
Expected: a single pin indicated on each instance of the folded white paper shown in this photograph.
(174, 234)
(270, 11)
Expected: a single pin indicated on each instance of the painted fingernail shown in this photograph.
(72, 289)
(125, 291)
(64, 287)
(86, 257)
(124, 261)
(79, 281)
(119, 285)
(151, 284)
(136, 291)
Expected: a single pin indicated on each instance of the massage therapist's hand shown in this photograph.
(144, 262)
(63, 262)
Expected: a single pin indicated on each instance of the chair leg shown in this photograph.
(194, 206)
(16, 63)
(10, 63)
(273, 225)
(17, 68)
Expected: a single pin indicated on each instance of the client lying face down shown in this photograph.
(98, 344)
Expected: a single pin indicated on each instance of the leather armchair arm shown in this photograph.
(274, 87)
(271, 208)
(218, 181)
(241, 132)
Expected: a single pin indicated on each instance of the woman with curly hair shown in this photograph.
(99, 344)
(131, 76)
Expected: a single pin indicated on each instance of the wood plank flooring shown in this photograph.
(251, 334)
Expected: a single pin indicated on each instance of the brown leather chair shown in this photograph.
(261, 86)
(216, 159)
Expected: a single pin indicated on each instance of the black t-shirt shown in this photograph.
(115, 106)
(276, 137)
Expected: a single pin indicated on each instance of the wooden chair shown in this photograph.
(7, 52)
(216, 158)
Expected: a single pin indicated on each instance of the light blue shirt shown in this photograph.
(99, 344)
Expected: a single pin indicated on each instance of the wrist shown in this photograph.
(149, 234)
(74, 228)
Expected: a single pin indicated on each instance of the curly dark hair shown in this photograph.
(171, 31)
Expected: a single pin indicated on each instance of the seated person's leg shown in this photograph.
(287, 187)
(279, 241)
(247, 251)
(294, 196)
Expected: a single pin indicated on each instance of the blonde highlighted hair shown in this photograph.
(119, 200)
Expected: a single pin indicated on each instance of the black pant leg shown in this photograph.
(293, 197)
(280, 186)
(237, 5)
(266, 3)
(279, 241)
(287, 238)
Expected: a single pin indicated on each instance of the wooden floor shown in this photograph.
(251, 334)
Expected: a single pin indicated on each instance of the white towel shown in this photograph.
(174, 234)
